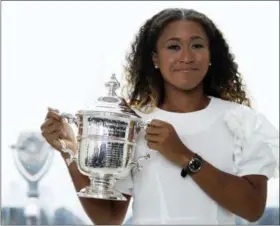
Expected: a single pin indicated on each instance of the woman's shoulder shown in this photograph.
(228, 106)
(243, 115)
(238, 111)
(256, 140)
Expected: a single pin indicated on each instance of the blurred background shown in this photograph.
(59, 54)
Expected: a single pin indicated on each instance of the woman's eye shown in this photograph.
(174, 47)
(197, 46)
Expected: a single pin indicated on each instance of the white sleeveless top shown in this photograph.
(232, 137)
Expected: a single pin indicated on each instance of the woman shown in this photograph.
(211, 154)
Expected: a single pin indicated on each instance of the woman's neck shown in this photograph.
(176, 100)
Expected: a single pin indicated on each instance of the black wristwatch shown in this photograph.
(194, 165)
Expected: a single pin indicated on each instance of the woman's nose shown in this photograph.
(187, 56)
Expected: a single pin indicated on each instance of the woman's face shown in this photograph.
(183, 54)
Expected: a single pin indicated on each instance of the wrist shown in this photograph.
(186, 157)
(193, 166)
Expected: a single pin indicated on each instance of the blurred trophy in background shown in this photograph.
(33, 156)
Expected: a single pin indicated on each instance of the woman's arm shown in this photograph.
(243, 196)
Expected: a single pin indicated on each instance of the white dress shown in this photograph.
(232, 137)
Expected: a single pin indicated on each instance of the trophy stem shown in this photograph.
(101, 187)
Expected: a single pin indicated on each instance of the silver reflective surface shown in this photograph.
(106, 143)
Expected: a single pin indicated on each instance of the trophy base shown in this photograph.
(89, 192)
(101, 187)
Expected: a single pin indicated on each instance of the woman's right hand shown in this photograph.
(56, 128)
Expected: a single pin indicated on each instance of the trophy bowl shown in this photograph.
(106, 141)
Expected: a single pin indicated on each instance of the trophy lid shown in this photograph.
(111, 102)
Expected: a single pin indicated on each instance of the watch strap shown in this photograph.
(187, 171)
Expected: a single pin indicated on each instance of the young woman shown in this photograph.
(211, 154)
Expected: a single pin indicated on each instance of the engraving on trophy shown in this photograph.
(106, 127)
(105, 155)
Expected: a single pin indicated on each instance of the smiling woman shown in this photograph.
(182, 55)
(190, 53)
(211, 154)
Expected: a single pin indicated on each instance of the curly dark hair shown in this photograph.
(145, 83)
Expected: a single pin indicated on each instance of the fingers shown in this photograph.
(48, 122)
(52, 128)
(153, 130)
(53, 122)
(51, 125)
(53, 109)
(152, 145)
(157, 123)
(54, 139)
(59, 134)
(54, 114)
(51, 137)
(153, 134)
(56, 144)
(152, 138)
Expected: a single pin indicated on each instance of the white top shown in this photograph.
(232, 137)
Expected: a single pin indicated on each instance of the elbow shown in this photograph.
(256, 213)
(253, 218)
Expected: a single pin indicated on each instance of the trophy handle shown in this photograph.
(136, 164)
(142, 124)
(70, 119)
(72, 156)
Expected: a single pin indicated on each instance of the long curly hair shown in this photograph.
(145, 85)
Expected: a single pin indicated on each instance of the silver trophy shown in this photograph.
(106, 140)
(33, 156)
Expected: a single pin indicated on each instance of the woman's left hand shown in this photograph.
(161, 136)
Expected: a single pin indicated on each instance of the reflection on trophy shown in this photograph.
(32, 156)
(106, 143)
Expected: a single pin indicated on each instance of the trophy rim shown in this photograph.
(108, 113)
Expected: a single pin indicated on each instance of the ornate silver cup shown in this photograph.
(106, 143)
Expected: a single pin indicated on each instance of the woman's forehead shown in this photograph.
(183, 30)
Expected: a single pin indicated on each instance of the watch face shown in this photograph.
(195, 165)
